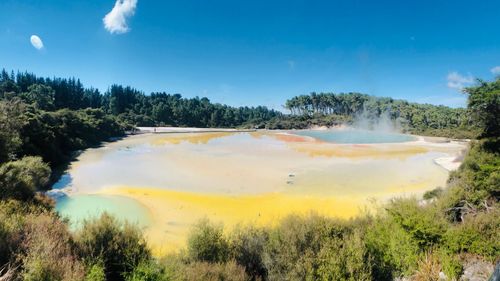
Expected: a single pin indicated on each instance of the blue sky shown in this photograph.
(258, 52)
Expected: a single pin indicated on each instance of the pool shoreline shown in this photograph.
(250, 176)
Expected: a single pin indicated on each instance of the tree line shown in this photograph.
(127, 103)
(134, 107)
(409, 116)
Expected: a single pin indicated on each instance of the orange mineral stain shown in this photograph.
(251, 178)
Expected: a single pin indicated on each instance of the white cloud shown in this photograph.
(36, 42)
(116, 20)
(495, 70)
(458, 81)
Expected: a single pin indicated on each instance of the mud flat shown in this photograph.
(252, 177)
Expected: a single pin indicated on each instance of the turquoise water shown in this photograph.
(80, 207)
(356, 136)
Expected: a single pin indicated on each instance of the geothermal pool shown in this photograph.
(166, 182)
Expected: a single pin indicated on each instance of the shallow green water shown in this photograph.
(356, 136)
(80, 207)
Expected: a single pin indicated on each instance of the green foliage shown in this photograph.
(480, 172)
(393, 250)
(450, 264)
(316, 248)
(55, 135)
(247, 246)
(484, 103)
(461, 132)
(47, 250)
(129, 104)
(147, 271)
(96, 272)
(474, 186)
(406, 238)
(304, 121)
(10, 124)
(228, 271)
(294, 246)
(331, 109)
(434, 193)
(425, 225)
(35, 244)
(40, 95)
(120, 246)
(20, 179)
(11, 219)
(346, 259)
(477, 235)
(207, 243)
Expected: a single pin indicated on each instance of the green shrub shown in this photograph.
(206, 242)
(393, 251)
(295, 244)
(41, 96)
(450, 264)
(13, 216)
(435, 193)
(476, 235)
(484, 104)
(477, 179)
(20, 179)
(120, 246)
(147, 271)
(47, 252)
(346, 259)
(247, 247)
(96, 272)
(425, 224)
(11, 121)
(228, 271)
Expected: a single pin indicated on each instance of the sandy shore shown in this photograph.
(455, 148)
(449, 163)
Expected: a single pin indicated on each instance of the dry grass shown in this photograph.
(428, 268)
(47, 250)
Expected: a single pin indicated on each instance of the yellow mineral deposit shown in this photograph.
(251, 178)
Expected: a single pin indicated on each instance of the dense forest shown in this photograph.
(44, 121)
(133, 107)
(326, 109)
(128, 104)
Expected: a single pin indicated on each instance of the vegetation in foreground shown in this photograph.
(420, 240)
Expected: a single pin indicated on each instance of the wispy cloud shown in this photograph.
(495, 70)
(116, 20)
(458, 81)
(36, 42)
(291, 64)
